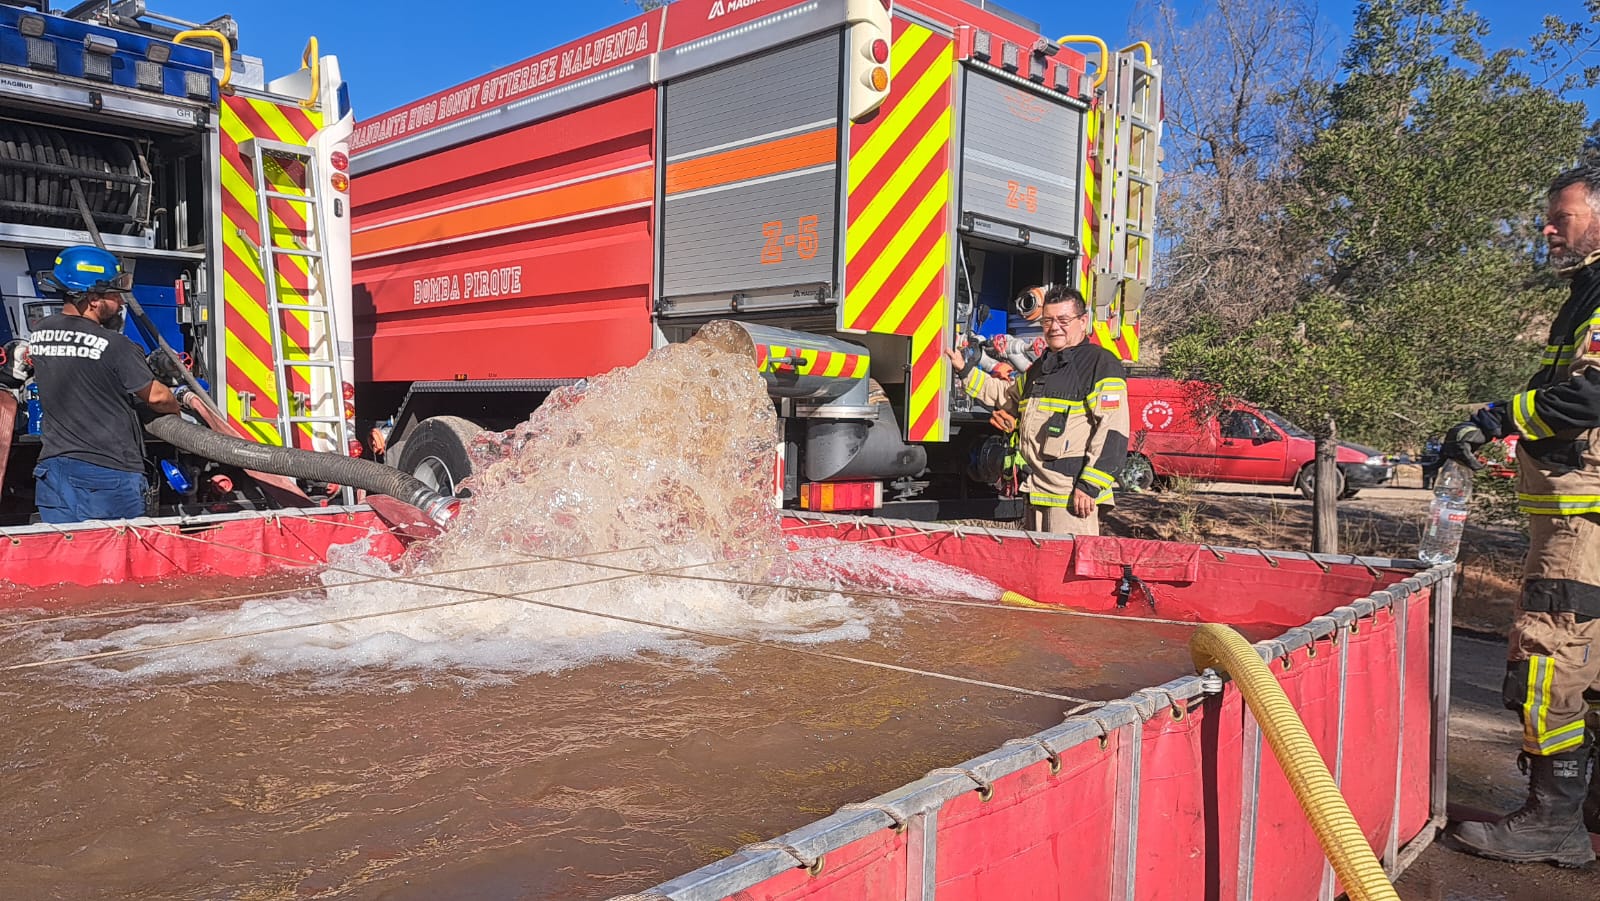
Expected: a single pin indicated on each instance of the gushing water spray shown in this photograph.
(675, 452)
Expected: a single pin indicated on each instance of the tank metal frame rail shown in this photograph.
(915, 807)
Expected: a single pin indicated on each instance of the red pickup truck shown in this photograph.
(1191, 430)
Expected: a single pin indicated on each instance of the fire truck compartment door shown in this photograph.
(1019, 162)
(751, 175)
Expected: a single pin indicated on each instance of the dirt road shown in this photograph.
(1484, 738)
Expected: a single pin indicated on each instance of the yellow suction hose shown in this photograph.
(1223, 649)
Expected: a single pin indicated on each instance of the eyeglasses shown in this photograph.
(1062, 321)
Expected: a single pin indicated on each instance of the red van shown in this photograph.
(1192, 430)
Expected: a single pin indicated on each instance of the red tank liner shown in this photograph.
(149, 550)
(1170, 793)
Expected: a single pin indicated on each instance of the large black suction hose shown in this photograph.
(372, 477)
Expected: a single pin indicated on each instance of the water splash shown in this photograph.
(641, 496)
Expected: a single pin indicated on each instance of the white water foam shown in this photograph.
(561, 557)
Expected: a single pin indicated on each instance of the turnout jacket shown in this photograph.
(1558, 458)
(1072, 421)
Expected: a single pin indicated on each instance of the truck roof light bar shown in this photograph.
(983, 46)
(97, 66)
(147, 75)
(31, 26)
(1010, 57)
(41, 54)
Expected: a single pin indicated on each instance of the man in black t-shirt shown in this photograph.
(89, 375)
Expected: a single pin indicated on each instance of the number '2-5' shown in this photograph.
(1021, 196)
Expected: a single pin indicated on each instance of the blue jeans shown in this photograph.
(71, 490)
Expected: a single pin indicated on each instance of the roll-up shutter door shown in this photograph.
(751, 178)
(1019, 157)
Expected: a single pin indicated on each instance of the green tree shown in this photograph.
(1417, 194)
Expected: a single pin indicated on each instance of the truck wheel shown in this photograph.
(1306, 482)
(436, 452)
(1138, 474)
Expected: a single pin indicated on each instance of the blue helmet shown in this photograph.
(85, 268)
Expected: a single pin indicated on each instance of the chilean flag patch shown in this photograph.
(1594, 342)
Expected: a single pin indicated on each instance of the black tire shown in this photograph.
(435, 452)
(1306, 482)
(1138, 474)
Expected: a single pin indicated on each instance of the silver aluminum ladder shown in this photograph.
(1130, 151)
(322, 406)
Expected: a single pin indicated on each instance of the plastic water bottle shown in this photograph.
(1447, 515)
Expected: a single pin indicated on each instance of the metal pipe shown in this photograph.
(219, 37)
(1105, 54)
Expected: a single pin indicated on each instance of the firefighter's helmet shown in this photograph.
(85, 268)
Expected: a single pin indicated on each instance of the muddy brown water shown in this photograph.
(583, 782)
(609, 671)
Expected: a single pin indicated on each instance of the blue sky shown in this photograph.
(396, 51)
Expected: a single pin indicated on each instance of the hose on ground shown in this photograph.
(374, 478)
(1221, 648)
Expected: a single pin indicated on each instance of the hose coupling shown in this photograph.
(442, 510)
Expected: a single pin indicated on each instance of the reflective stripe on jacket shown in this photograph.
(1558, 458)
(1072, 421)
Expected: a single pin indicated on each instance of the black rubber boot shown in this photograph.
(1549, 827)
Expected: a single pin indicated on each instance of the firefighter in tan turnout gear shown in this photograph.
(1554, 655)
(1071, 410)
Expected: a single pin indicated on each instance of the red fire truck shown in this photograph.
(221, 190)
(856, 183)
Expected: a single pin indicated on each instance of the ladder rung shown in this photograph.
(309, 199)
(1143, 236)
(1139, 180)
(309, 364)
(296, 252)
(302, 308)
(327, 420)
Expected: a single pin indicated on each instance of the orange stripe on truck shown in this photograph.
(592, 196)
(790, 154)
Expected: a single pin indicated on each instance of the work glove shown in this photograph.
(1002, 420)
(1491, 420)
(1461, 444)
(185, 396)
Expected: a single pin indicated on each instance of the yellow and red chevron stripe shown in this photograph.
(1114, 329)
(812, 362)
(247, 325)
(898, 245)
